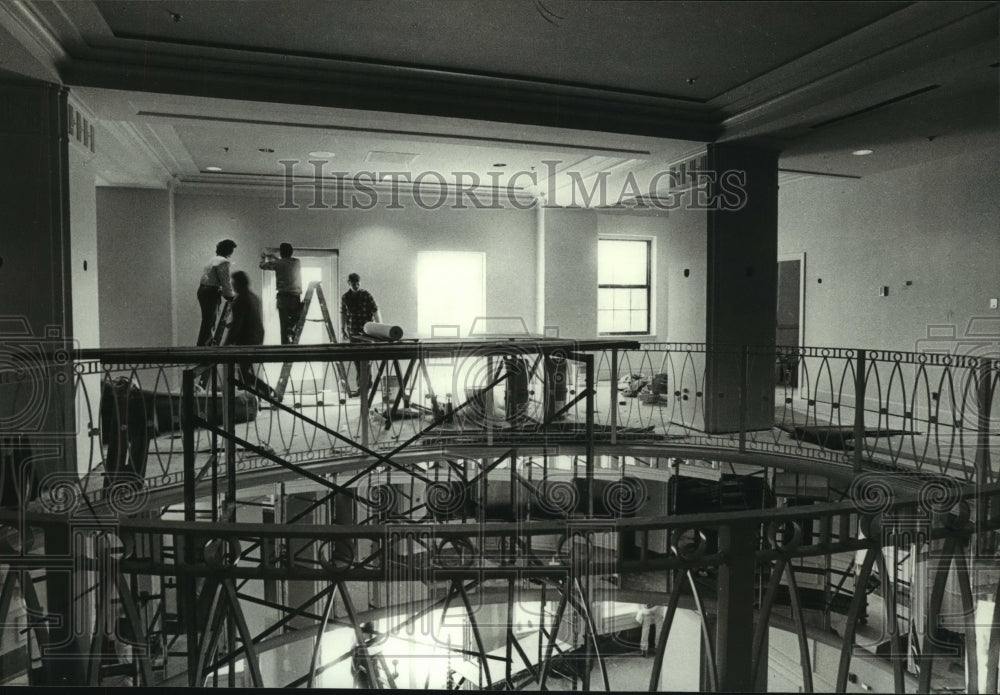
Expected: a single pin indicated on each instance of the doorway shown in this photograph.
(789, 329)
(317, 265)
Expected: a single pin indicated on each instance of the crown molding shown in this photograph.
(35, 35)
(834, 85)
(133, 140)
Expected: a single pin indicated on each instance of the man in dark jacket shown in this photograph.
(247, 328)
(288, 281)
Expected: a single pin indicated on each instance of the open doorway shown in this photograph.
(789, 328)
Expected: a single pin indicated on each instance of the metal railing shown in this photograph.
(467, 468)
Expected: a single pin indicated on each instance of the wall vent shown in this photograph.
(80, 129)
(682, 173)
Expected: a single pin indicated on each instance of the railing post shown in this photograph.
(364, 377)
(734, 630)
(490, 398)
(187, 435)
(63, 657)
(744, 370)
(614, 395)
(213, 417)
(588, 362)
(983, 408)
(229, 424)
(860, 367)
(186, 583)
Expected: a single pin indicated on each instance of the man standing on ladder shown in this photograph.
(357, 307)
(288, 279)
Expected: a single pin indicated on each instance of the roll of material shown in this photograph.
(383, 331)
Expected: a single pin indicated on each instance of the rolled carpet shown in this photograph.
(383, 331)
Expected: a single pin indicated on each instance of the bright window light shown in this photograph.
(450, 291)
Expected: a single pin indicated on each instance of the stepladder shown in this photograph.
(218, 336)
(314, 297)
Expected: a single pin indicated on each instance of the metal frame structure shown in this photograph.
(450, 512)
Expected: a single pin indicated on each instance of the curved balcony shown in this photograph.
(831, 499)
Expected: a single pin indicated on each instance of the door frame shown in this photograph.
(799, 256)
(332, 293)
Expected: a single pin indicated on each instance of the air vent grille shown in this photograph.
(80, 129)
(682, 174)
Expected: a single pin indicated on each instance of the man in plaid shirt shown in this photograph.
(357, 307)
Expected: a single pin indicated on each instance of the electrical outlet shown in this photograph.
(883, 291)
(993, 303)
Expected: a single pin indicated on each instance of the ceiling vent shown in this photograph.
(873, 107)
(393, 158)
(683, 174)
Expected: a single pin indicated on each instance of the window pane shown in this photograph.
(637, 321)
(604, 321)
(638, 299)
(605, 299)
(621, 322)
(621, 299)
(621, 262)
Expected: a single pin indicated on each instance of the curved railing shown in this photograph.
(478, 467)
(918, 412)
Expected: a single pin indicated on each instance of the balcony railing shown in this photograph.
(460, 468)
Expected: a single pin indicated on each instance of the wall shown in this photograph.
(83, 249)
(133, 252)
(380, 244)
(934, 224)
(571, 269)
(571, 272)
(687, 250)
(655, 226)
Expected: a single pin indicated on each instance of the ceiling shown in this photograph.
(451, 86)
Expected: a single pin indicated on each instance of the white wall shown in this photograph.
(379, 244)
(83, 249)
(133, 246)
(571, 269)
(934, 224)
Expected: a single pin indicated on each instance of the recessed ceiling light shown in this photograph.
(861, 153)
(213, 168)
(500, 165)
(321, 153)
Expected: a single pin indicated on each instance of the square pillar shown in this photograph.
(742, 287)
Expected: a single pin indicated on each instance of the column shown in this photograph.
(735, 615)
(742, 285)
(36, 407)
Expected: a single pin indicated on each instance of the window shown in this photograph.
(450, 292)
(623, 286)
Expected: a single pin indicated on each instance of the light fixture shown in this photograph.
(321, 153)
(213, 169)
(861, 153)
(500, 165)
